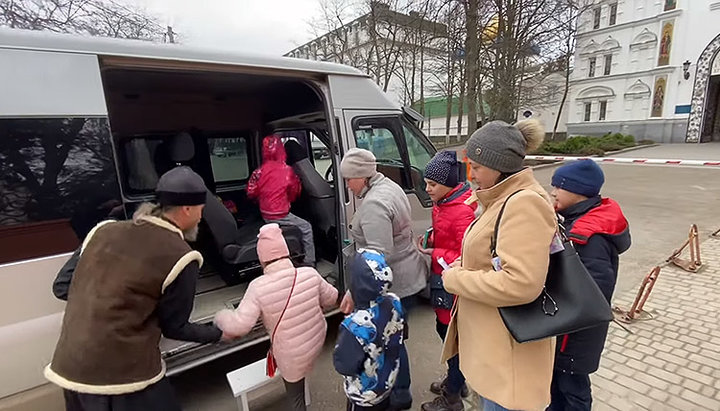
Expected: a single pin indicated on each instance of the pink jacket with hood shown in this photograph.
(301, 333)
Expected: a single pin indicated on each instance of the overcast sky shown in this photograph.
(261, 26)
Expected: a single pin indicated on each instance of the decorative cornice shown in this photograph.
(660, 17)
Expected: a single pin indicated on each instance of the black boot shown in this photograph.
(445, 402)
(438, 387)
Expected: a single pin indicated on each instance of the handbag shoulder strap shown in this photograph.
(272, 338)
(493, 239)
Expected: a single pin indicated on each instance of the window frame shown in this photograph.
(592, 67)
(597, 14)
(392, 124)
(612, 19)
(248, 153)
(607, 67)
(67, 212)
(602, 115)
(396, 125)
(587, 111)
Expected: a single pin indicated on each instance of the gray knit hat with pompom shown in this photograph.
(502, 146)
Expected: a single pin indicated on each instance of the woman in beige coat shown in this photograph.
(506, 374)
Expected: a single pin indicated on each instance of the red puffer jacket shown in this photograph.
(450, 218)
(274, 184)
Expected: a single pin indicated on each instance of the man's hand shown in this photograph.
(347, 305)
(455, 263)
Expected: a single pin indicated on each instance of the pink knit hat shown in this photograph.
(271, 243)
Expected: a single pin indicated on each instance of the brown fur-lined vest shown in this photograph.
(110, 333)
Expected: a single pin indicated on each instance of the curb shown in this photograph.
(608, 154)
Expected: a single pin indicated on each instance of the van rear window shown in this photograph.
(57, 179)
(229, 159)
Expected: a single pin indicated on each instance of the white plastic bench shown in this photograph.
(251, 377)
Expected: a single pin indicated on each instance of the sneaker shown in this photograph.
(444, 403)
(438, 387)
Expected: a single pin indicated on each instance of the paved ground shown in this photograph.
(670, 362)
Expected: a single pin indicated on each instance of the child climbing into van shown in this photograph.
(275, 185)
(371, 337)
(290, 301)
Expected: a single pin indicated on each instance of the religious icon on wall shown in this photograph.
(670, 4)
(665, 44)
(659, 97)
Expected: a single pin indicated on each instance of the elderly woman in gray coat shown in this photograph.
(383, 222)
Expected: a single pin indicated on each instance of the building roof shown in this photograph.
(382, 12)
(48, 41)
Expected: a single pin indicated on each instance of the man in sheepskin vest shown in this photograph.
(132, 281)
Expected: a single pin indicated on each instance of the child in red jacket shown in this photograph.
(275, 185)
(450, 218)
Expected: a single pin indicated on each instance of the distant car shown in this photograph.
(219, 151)
(320, 152)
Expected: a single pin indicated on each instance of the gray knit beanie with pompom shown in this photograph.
(502, 146)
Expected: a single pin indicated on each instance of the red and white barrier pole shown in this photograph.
(621, 160)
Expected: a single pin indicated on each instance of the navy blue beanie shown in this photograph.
(582, 177)
(443, 168)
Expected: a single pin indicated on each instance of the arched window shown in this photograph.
(637, 100)
(595, 103)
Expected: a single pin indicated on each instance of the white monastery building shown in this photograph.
(648, 68)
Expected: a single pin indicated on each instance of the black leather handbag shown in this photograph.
(570, 300)
(439, 298)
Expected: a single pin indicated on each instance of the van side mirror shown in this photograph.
(413, 115)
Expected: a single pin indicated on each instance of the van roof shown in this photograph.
(104, 46)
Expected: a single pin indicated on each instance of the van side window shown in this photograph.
(57, 178)
(380, 141)
(318, 153)
(229, 159)
(380, 135)
(141, 172)
(418, 152)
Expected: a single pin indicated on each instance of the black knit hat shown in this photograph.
(181, 187)
(443, 168)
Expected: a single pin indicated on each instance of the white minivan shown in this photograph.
(86, 127)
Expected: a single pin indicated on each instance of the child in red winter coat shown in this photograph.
(275, 185)
(450, 218)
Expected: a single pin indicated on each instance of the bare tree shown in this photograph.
(446, 69)
(94, 17)
(339, 21)
(472, 51)
(387, 39)
(567, 32)
(504, 39)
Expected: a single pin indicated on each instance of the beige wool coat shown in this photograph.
(516, 376)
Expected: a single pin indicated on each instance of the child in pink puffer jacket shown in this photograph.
(301, 332)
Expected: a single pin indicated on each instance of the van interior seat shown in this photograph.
(236, 247)
(319, 193)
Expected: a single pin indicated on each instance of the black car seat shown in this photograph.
(236, 247)
(320, 194)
